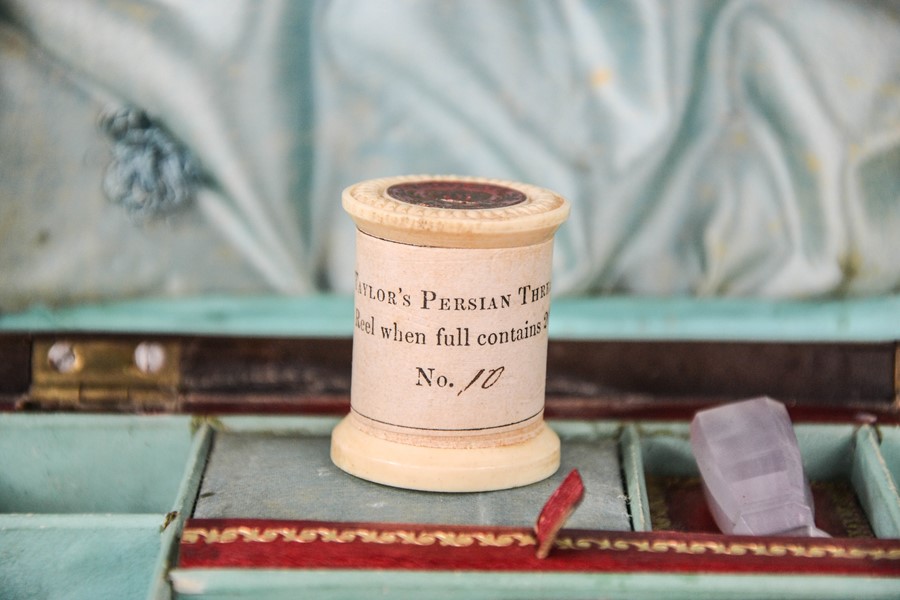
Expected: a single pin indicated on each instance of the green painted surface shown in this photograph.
(875, 487)
(77, 557)
(276, 424)
(270, 315)
(63, 463)
(890, 451)
(329, 585)
(633, 473)
(867, 319)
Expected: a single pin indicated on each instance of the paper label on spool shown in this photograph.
(450, 344)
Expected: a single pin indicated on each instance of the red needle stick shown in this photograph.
(562, 502)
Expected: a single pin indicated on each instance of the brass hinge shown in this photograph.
(98, 374)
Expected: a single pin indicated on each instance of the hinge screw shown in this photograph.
(149, 357)
(62, 357)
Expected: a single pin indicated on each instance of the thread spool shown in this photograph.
(452, 300)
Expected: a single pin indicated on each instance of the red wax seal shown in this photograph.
(455, 194)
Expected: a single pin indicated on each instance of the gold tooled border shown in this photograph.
(306, 535)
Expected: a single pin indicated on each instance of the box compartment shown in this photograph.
(63, 463)
(279, 468)
(659, 449)
(839, 461)
(91, 505)
(78, 556)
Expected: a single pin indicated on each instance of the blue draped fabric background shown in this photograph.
(710, 148)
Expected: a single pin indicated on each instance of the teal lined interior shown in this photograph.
(875, 486)
(830, 452)
(88, 502)
(608, 317)
(228, 584)
(92, 464)
(890, 451)
(78, 556)
(69, 546)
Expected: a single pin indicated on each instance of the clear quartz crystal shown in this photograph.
(752, 470)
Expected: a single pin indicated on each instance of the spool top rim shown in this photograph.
(427, 210)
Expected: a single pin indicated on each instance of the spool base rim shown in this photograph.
(444, 469)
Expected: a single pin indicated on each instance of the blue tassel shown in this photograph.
(151, 174)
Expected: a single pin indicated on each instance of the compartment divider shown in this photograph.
(875, 488)
(632, 463)
(183, 507)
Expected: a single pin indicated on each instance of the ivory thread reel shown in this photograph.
(452, 301)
